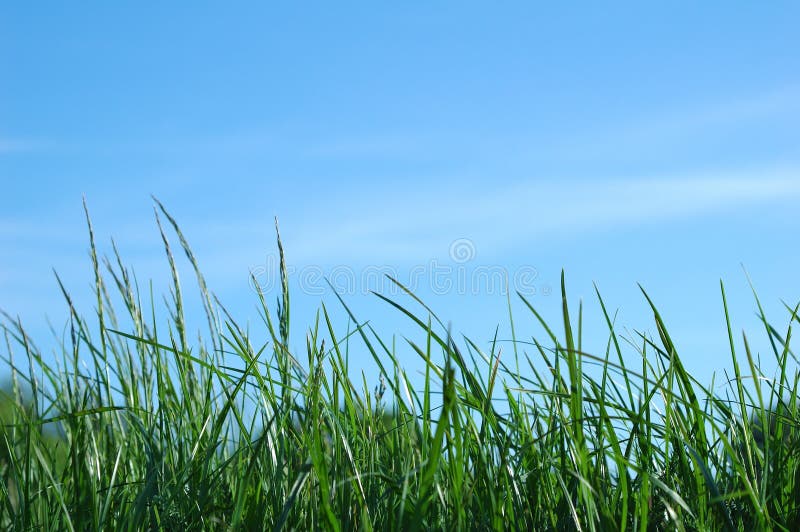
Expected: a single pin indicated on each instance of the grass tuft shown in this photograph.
(138, 424)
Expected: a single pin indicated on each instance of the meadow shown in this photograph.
(137, 424)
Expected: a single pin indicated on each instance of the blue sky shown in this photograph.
(626, 143)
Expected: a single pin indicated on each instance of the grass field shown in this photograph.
(158, 427)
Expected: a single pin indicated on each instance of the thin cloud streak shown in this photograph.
(777, 102)
(410, 226)
(526, 212)
(654, 131)
(10, 145)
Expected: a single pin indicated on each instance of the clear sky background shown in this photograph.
(652, 143)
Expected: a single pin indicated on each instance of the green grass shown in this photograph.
(159, 427)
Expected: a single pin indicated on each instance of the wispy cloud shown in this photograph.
(409, 225)
(774, 102)
(10, 145)
(656, 129)
(385, 145)
(405, 225)
(519, 214)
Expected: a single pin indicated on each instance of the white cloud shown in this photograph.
(770, 103)
(654, 131)
(369, 146)
(11, 145)
(518, 214)
(413, 224)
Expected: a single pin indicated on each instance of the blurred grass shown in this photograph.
(156, 430)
